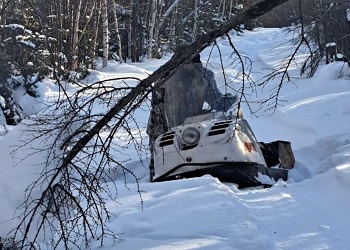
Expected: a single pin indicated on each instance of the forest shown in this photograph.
(55, 38)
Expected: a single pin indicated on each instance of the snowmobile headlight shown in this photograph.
(191, 135)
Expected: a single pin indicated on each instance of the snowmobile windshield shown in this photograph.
(205, 117)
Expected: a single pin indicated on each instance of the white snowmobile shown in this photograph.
(222, 146)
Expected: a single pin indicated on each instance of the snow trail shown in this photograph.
(306, 212)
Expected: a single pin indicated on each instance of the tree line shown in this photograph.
(77, 31)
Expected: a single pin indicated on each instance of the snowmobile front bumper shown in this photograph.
(242, 173)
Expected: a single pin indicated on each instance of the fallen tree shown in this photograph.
(161, 74)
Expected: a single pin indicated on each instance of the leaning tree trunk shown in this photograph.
(142, 90)
(168, 12)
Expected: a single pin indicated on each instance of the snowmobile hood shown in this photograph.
(203, 142)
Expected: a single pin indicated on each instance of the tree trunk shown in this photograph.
(142, 90)
(75, 38)
(87, 38)
(223, 9)
(172, 34)
(195, 21)
(2, 11)
(105, 35)
(157, 28)
(116, 27)
(168, 12)
(151, 27)
(219, 7)
(134, 31)
(230, 9)
(96, 25)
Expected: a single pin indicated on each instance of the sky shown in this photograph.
(308, 211)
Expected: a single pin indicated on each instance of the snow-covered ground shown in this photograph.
(309, 211)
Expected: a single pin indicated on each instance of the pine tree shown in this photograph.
(23, 63)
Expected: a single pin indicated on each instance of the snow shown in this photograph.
(14, 26)
(28, 43)
(309, 211)
(331, 44)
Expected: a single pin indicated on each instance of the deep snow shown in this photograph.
(309, 211)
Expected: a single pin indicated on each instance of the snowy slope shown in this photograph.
(309, 211)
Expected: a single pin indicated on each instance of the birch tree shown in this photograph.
(105, 33)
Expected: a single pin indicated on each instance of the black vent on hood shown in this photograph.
(188, 147)
(219, 128)
(167, 139)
